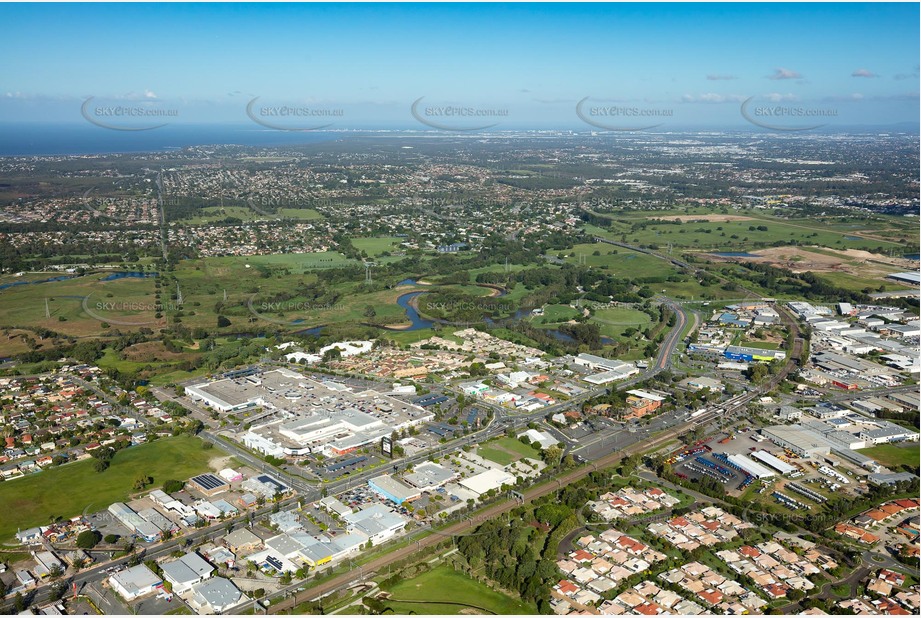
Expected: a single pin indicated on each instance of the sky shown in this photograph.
(472, 65)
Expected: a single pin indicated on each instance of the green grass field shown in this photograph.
(505, 450)
(442, 584)
(618, 261)
(615, 320)
(858, 284)
(60, 305)
(893, 456)
(376, 246)
(555, 314)
(736, 235)
(75, 488)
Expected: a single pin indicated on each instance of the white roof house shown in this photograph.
(186, 571)
(135, 582)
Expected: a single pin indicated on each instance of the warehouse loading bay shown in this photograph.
(823, 474)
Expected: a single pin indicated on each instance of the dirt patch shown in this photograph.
(708, 218)
(802, 259)
(219, 463)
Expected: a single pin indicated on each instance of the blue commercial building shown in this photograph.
(391, 489)
(740, 353)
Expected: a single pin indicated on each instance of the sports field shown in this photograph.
(76, 488)
(505, 450)
(376, 246)
(445, 591)
(615, 320)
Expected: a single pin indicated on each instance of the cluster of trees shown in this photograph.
(520, 553)
(88, 539)
(806, 284)
(104, 455)
(518, 556)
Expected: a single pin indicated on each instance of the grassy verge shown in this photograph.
(75, 488)
(445, 591)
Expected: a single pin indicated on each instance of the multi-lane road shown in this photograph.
(599, 451)
(490, 512)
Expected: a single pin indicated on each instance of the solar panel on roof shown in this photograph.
(208, 481)
(345, 464)
(268, 480)
(274, 562)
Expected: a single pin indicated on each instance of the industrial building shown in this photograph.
(333, 505)
(610, 370)
(772, 461)
(597, 362)
(911, 277)
(377, 522)
(209, 484)
(429, 476)
(797, 439)
(215, 596)
(159, 520)
(613, 375)
(46, 563)
(750, 467)
(747, 354)
(134, 522)
(815, 438)
(488, 480)
(700, 383)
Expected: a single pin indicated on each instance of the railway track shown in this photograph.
(349, 578)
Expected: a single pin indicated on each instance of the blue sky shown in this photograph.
(533, 61)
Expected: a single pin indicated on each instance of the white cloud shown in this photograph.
(716, 77)
(776, 97)
(864, 73)
(912, 75)
(785, 74)
(712, 97)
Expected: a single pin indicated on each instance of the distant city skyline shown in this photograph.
(466, 67)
